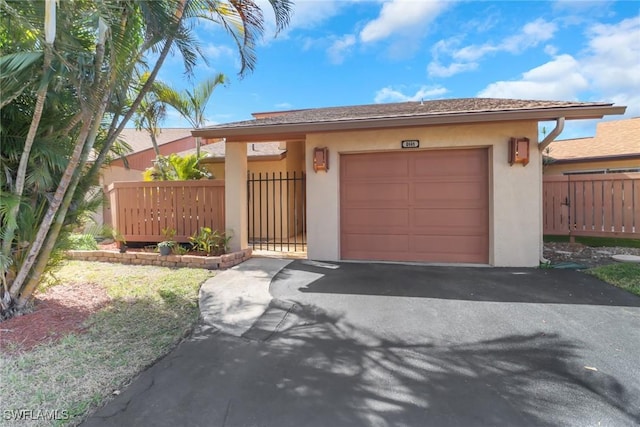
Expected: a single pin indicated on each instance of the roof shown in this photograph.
(258, 151)
(140, 140)
(297, 123)
(619, 138)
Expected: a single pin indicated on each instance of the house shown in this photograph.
(170, 140)
(430, 181)
(614, 148)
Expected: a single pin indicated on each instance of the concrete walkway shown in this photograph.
(234, 299)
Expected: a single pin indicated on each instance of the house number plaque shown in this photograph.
(410, 143)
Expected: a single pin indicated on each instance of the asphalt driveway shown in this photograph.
(345, 344)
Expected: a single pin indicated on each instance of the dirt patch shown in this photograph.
(59, 311)
(559, 252)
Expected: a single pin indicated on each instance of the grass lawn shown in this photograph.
(151, 310)
(623, 275)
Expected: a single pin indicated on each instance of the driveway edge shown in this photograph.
(234, 299)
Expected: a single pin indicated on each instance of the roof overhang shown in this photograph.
(267, 158)
(257, 131)
(631, 156)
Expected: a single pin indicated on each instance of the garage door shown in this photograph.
(429, 206)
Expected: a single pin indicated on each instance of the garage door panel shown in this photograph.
(368, 167)
(392, 243)
(378, 192)
(359, 220)
(449, 218)
(415, 206)
(463, 163)
(451, 248)
(426, 192)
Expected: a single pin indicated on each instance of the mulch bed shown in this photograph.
(60, 311)
(560, 252)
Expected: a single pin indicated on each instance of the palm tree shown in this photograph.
(191, 104)
(150, 113)
(97, 50)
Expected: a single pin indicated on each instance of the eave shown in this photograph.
(257, 131)
(632, 156)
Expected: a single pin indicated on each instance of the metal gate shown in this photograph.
(276, 211)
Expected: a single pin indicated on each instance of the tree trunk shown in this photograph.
(54, 205)
(35, 251)
(51, 238)
(154, 142)
(26, 151)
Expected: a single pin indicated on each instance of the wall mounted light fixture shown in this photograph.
(519, 151)
(320, 159)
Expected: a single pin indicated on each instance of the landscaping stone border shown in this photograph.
(149, 258)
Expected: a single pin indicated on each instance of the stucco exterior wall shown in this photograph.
(295, 156)
(559, 169)
(515, 192)
(255, 166)
(118, 173)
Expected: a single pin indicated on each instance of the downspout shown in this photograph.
(541, 147)
(553, 134)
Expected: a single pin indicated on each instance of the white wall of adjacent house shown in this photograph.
(515, 192)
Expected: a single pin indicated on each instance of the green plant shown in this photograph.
(82, 242)
(180, 250)
(210, 242)
(176, 168)
(168, 233)
(545, 265)
(118, 237)
(168, 243)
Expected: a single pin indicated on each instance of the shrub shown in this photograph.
(210, 242)
(82, 242)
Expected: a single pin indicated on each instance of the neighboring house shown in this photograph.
(170, 140)
(614, 148)
(451, 196)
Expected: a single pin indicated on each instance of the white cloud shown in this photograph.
(613, 62)
(212, 51)
(607, 70)
(435, 69)
(560, 78)
(533, 33)
(467, 57)
(401, 16)
(389, 94)
(305, 14)
(551, 50)
(311, 13)
(284, 106)
(340, 48)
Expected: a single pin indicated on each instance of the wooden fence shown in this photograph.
(141, 210)
(598, 205)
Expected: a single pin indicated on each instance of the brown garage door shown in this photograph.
(427, 206)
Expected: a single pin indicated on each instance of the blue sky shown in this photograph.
(353, 52)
